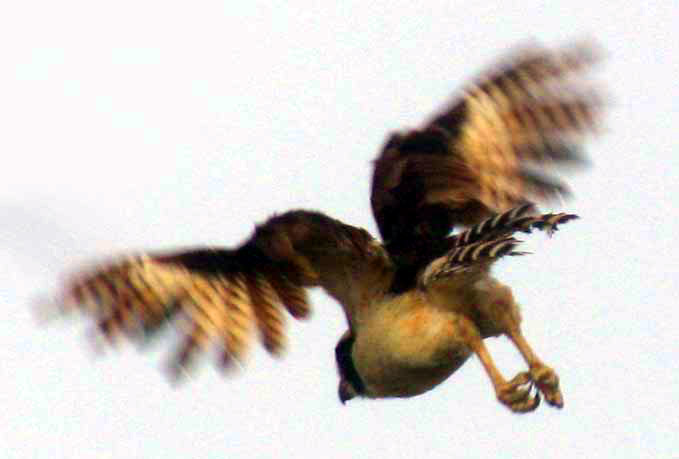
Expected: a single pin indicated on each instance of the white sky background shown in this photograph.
(133, 125)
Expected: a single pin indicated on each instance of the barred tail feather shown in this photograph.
(491, 226)
(480, 245)
(468, 257)
(477, 251)
(518, 219)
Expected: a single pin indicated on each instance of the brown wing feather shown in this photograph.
(490, 150)
(221, 296)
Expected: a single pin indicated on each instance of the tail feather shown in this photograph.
(467, 257)
(471, 253)
(476, 248)
(518, 219)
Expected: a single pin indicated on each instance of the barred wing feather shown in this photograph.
(221, 296)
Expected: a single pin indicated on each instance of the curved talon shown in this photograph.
(547, 383)
(516, 396)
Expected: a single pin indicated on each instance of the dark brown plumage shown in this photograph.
(418, 304)
(475, 158)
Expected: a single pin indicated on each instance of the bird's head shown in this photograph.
(350, 384)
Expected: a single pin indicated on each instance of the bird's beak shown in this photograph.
(345, 391)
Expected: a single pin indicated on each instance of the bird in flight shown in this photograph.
(448, 199)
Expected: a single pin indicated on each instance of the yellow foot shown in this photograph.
(547, 383)
(516, 394)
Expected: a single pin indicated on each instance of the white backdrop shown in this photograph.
(133, 125)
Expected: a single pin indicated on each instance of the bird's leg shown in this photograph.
(544, 377)
(497, 306)
(515, 393)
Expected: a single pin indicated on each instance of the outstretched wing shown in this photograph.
(219, 296)
(489, 151)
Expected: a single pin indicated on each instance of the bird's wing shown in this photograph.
(220, 297)
(490, 150)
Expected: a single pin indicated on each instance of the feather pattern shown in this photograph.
(220, 296)
(420, 303)
(475, 158)
(476, 248)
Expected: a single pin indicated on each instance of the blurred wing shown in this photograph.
(219, 296)
(490, 150)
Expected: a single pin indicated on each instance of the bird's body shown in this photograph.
(420, 302)
(409, 343)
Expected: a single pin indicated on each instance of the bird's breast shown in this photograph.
(407, 346)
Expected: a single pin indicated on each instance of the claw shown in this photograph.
(547, 383)
(516, 394)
